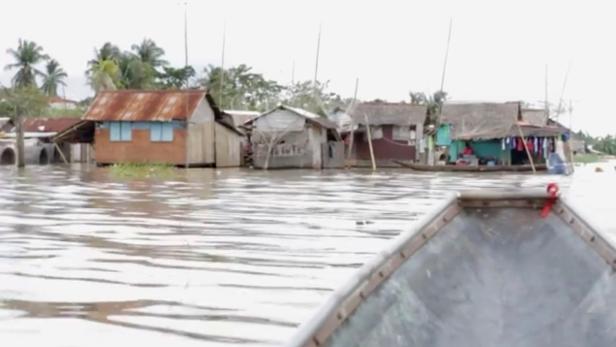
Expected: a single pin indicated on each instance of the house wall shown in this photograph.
(333, 155)
(385, 148)
(140, 149)
(228, 147)
(203, 113)
(200, 144)
(292, 151)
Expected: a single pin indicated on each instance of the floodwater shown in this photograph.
(210, 257)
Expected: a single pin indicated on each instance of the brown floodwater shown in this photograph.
(210, 257)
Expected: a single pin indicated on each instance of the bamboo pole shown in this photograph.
(60, 151)
(532, 163)
(370, 143)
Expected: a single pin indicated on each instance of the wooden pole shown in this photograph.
(370, 143)
(446, 55)
(60, 151)
(532, 163)
(348, 111)
(21, 152)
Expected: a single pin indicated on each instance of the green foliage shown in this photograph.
(242, 88)
(588, 158)
(23, 101)
(433, 102)
(60, 112)
(316, 99)
(173, 78)
(104, 75)
(143, 171)
(605, 144)
(52, 78)
(26, 57)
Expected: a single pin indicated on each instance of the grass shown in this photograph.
(588, 158)
(143, 170)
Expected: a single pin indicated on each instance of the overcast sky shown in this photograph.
(498, 50)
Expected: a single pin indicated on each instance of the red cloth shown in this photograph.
(530, 145)
(467, 151)
(519, 145)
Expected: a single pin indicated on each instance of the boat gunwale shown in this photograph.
(342, 302)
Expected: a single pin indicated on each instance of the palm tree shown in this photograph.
(27, 55)
(53, 78)
(105, 75)
(149, 53)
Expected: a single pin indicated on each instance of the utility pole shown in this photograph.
(293, 72)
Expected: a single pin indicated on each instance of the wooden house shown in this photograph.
(288, 137)
(496, 133)
(396, 131)
(179, 127)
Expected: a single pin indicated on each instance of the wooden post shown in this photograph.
(60, 151)
(352, 141)
(19, 142)
(370, 143)
(532, 164)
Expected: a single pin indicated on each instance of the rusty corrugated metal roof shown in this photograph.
(49, 125)
(137, 105)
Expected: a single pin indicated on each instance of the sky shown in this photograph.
(498, 52)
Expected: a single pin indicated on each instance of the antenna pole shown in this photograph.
(446, 55)
(316, 65)
(547, 106)
(293, 72)
(185, 33)
(222, 64)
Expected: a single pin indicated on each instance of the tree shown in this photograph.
(21, 102)
(105, 75)
(27, 55)
(135, 74)
(434, 104)
(242, 89)
(313, 98)
(173, 78)
(149, 53)
(52, 78)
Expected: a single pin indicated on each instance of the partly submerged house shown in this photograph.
(183, 128)
(496, 133)
(39, 146)
(396, 131)
(288, 137)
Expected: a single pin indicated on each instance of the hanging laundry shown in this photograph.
(536, 144)
(529, 145)
(503, 145)
(519, 145)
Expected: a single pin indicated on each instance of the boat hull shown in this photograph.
(483, 270)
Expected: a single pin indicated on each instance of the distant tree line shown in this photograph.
(37, 76)
(604, 144)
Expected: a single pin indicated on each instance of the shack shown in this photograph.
(494, 134)
(396, 131)
(39, 146)
(287, 137)
(179, 127)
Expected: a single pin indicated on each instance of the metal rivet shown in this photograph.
(571, 221)
(592, 238)
(362, 295)
(381, 274)
(424, 236)
(402, 254)
(339, 315)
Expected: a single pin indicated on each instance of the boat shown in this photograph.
(472, 168)
(484, 269)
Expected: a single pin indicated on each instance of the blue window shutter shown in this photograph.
(114, 131)
(126, 131)
(167, 133)
(156, 131)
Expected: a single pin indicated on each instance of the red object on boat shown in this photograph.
(552, 190)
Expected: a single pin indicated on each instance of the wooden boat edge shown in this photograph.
(343, 302)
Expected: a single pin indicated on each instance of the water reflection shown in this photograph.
(214, 257)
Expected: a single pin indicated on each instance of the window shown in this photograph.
(401, 133)
(376, 132)
(161, 132)
(120, 131)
